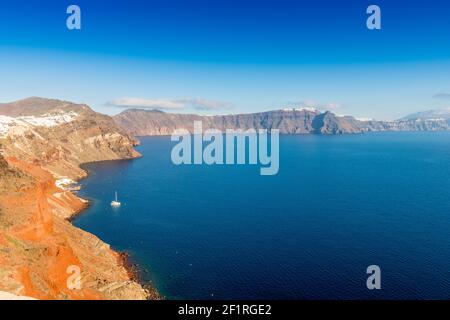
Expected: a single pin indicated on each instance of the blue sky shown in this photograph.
(227, 56)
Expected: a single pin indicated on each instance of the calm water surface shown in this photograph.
(338, 205)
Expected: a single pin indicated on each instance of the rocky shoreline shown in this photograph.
(105, 272)
(43, 142)
(123, 258)
(134, 272)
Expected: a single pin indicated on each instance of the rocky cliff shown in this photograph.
(42, 142)
(406, 125)
(289, 121)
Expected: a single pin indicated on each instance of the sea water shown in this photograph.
(337, 205)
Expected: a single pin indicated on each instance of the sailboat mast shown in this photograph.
(116, 196)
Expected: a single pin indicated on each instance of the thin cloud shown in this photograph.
(204, 104)
(331, 106)
(169, 104)
(313, 104)
(442, 95)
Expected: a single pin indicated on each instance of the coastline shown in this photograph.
(44, 226)
(40, 244)
(123, 257)
(134, 272)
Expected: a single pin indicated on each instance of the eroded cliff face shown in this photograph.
(40, 141)
(61, 136)
(289, 121)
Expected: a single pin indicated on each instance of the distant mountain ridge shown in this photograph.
(293, 121)
(140, 122)
(429, 115)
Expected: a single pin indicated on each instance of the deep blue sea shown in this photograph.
(337, 205)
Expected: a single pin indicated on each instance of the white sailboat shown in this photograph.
(115, 203)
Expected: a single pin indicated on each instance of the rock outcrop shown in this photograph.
(40, 141)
